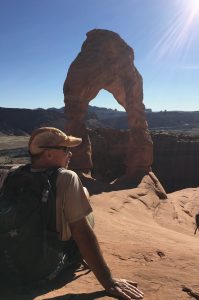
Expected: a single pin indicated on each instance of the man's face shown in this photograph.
(59, 157)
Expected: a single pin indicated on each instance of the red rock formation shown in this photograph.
(107, 62)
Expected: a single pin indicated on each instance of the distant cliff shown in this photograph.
(15, 121)
(176, 160)
(175, 120)
(176, 157)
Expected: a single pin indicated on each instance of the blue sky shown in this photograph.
(40, 39)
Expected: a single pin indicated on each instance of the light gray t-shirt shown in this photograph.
(72, 203)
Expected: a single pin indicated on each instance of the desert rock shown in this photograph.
(144, 238)
(107, 62)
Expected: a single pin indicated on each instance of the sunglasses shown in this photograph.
(63, 148)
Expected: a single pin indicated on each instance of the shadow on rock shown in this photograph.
(83, 296)
(9, 291)
(95, 186)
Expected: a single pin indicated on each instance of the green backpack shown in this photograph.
(30, 250)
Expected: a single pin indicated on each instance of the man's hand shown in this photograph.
(125, 289)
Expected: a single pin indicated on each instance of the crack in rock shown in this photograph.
(190, 292)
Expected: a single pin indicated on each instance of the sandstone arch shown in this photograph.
(107, 62)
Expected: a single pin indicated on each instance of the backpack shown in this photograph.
(30, 250)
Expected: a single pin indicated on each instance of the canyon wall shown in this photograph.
(176, 157)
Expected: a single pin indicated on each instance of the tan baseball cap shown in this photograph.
(50, 137)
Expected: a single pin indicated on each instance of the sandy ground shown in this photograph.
(10, 142)
(153, 244)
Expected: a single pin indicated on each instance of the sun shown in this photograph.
(195, 4)
(177, 37)
(193, 8)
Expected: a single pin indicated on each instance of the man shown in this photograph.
(50, 147)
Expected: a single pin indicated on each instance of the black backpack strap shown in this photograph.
(49, 198)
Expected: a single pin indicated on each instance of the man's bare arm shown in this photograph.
(88, 245)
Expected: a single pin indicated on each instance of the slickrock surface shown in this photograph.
(144, 239)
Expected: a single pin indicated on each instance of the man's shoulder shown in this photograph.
(65, 171)
(68, 178)
(66, 174)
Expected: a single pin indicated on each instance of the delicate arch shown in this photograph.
(107, 62)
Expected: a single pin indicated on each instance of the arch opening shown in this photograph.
(106, 99)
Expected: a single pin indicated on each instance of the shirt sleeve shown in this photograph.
(74, 201)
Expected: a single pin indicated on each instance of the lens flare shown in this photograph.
(179, 33)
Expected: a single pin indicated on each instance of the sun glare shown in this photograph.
(178, 35)
(195, 4)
